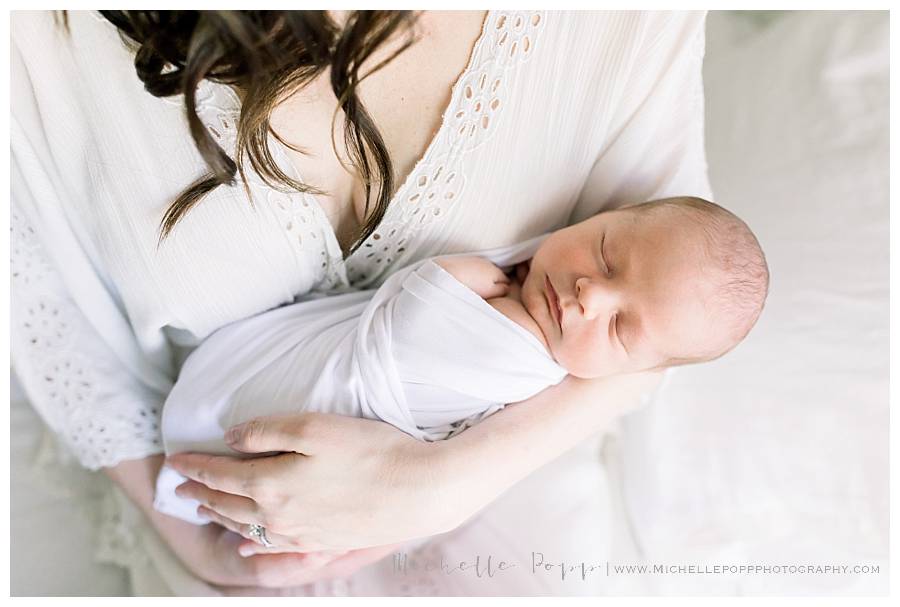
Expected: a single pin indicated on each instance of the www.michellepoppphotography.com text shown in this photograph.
(537, 563)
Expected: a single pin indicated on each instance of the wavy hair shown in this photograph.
(267, 55)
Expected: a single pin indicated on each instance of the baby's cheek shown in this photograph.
(587, 355)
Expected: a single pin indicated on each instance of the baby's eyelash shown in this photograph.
(603, 254)
(619, 337)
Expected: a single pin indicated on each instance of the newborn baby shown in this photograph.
(650, 286)
(447, 341)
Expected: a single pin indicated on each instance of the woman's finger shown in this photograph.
(220, 472)
(251, 545)
(226, 522)
(282, 433)
(281, 544)
(280, 571)
(311, 558)
(288, 570)
(236, 507)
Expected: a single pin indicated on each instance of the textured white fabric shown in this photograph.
(423, 352)
(557, 116)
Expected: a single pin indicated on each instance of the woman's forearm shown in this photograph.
(522, 437)
(137, 479)
(340, 482)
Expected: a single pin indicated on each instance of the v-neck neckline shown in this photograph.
(474, 54)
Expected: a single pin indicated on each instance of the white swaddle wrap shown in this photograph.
(423, 352)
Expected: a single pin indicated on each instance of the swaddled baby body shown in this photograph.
(447, 341)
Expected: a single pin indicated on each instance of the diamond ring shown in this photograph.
(259, 532)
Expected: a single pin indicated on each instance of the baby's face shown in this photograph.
(622, 291)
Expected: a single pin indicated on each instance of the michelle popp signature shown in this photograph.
(489, 565)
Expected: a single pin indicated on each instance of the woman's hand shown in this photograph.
(344, 482)
(211, 551)
(340, 483)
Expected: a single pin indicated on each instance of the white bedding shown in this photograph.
(779, 451)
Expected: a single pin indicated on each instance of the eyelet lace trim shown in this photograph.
(46, 329)
(303, 222)
(438, 181)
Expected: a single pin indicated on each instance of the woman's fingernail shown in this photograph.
(245, 551)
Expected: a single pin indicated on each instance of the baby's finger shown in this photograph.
(495, 289)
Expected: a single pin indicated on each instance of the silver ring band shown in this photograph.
(259, 532)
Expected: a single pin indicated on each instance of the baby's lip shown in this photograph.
(553, 303)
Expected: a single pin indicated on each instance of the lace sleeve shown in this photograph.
(100, 411)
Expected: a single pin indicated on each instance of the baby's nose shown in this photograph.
(595, 297)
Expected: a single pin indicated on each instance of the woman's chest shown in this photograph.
(237, 252)
(515, 143)
(400, 103)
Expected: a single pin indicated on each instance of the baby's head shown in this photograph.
(663, 283)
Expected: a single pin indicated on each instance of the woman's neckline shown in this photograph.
(337, 257)
(437, 136)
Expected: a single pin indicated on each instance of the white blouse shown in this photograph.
(557, 116)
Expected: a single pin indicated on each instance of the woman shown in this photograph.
(483, 130)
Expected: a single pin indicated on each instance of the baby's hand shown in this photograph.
(478, 274)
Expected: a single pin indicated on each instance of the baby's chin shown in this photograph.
(574, 366)
(597, 368)
(581, 373)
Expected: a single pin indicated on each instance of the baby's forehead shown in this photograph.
(665, 214)
(664, 225)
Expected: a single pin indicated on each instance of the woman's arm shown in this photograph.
(343, 483)
(99, 409)
(523, 437)
(137, 479)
